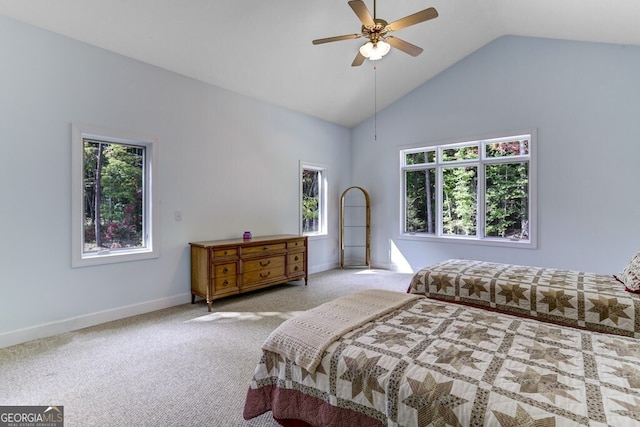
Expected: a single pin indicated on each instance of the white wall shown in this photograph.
(228, 162)
(584, 101)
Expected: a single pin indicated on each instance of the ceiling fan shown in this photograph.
(377, 31)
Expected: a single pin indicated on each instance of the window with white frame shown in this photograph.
(313, 199)
(113, 207)
(482, 191)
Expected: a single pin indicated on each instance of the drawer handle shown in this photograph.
(265, 264)
(225, 283)
(264, 248)
(226, 270)
(264, 276)
(296, 258)
(295, 268)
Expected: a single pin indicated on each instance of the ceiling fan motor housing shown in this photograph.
(376, 32)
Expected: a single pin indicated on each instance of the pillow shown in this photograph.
(630, 275)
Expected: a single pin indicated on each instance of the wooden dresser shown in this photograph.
(220, 268)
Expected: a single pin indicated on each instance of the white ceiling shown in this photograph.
(263, 48)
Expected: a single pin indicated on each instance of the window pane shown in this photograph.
(420, 199)
(311, 200)
(113, 196)
(421, 157)
(507, 200)
(507, 148)
(460, 153)
(459, 200)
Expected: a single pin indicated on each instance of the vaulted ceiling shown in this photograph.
(263, 48)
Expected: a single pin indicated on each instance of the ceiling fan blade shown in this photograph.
(416, 18)
(361, 10)
(404, 46)
(358, 60)
(337, 38)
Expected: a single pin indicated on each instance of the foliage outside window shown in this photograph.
(113, 195)
(313, 199)
(112, 198)
(479, 191)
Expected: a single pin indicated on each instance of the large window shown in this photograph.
(481, 191)
(313, 199)
(112, 197)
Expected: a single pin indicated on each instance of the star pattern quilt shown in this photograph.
(436, 363)
(590, 301)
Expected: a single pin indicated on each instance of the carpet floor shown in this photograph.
(181, 366)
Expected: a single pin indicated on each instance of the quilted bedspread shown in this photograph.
(304, 338)
(591, 301)
(436, 363)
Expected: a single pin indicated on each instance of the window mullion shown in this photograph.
(439, 201)
(481, 214)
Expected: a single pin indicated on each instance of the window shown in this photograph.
(313, 200)
(482, 191)
(112, 197)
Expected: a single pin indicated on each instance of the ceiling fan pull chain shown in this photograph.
(375, 102)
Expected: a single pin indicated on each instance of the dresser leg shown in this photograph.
(193, 298)
(209, 305)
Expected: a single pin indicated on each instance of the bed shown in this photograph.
(591, 301)
(383, 358)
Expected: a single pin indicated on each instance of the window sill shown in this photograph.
(316, 236)
(108, 257)
(515, 243)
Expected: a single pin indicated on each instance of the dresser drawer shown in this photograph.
(295, 244)
(296, 257)
(250, 250)
(295, 268)
(263, 263)
(225, 252)
(269, 273)
(225, 270)
(225, 283)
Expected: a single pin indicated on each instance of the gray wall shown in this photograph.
(584, 101)
(228, 162)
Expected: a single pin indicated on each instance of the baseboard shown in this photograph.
(381, 265)
(322, 267)
(374, 265)
(54, 328)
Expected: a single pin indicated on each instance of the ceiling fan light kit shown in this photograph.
(376, 31)
(375, 51)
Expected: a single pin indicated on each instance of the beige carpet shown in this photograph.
(181, 366)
